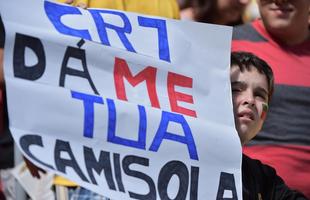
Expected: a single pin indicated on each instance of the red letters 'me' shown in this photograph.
(148, 74)
(174, 96)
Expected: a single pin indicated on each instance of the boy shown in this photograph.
(252, 87)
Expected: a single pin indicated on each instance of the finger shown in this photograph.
(35, 173)
(33, 169)
(69, 1)
(82, 5)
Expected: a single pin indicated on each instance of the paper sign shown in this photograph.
(127, 105)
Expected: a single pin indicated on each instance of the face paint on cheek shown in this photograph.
(265, 110)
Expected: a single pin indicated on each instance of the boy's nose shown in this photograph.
(249, 99)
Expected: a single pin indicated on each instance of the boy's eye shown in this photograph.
(260, 95)
(236, 89)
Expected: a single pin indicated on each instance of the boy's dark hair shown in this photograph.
(245, 60)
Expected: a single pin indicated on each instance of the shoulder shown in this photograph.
(248, 32)
(257, 179)
(163, 8)
(260, 168)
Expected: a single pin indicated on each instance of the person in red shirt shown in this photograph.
(282, 38)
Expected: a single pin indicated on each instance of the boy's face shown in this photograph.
(250, 100)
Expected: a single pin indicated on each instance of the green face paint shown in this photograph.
(265, 110)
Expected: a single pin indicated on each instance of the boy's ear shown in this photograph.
(264, 111)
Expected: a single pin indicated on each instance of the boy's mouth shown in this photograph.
(247, 115)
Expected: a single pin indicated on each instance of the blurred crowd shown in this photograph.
(277, 31)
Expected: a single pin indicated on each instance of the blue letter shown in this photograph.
(88, 101)
(102, 26)
(163, 43)
(140, 144)
(55, 11)
(163, 134)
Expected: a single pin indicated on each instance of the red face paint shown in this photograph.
(265, 110)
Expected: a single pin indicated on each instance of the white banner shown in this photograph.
(127, 105)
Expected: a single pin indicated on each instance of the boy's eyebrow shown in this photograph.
(238, 83)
